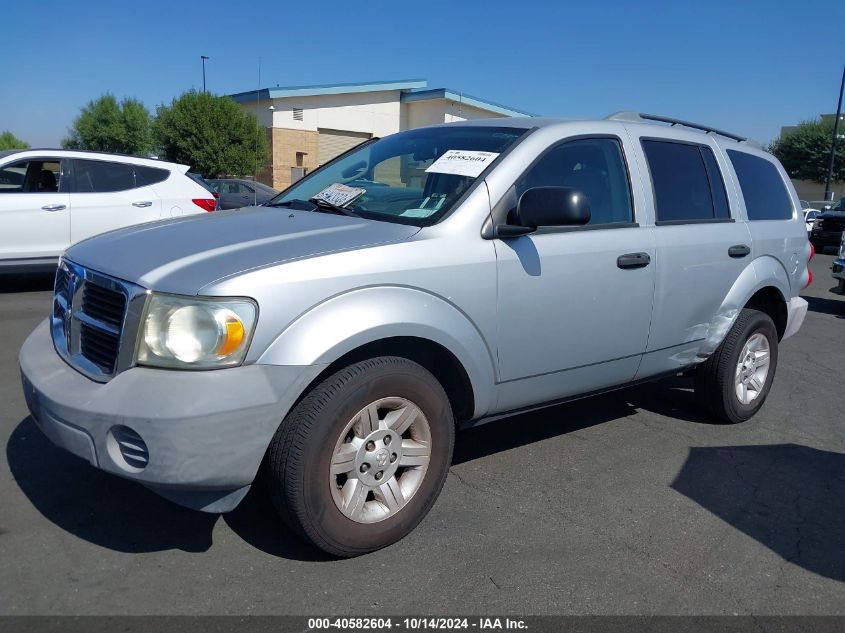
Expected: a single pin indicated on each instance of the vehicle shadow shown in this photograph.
(124, 516)
(790, 498)
(826, 306)
(26, 282)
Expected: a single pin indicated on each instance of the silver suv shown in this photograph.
(447, 275)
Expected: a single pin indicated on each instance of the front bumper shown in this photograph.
(838, 268)
(205, 432)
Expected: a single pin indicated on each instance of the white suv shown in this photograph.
(52, 198)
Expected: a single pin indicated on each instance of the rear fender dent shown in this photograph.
(762, 272)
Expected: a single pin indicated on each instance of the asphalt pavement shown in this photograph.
(628, 503)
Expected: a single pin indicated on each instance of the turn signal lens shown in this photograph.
(233, 337)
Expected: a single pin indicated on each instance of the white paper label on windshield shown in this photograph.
(462, 162)
(340, 195)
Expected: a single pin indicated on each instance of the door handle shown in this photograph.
(633, 260)
(54, 207)
(740, 250)
(145, 203)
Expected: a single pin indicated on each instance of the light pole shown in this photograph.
(827, 193)
(203, 58)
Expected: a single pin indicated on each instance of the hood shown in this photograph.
(831, 214)
(184, 254)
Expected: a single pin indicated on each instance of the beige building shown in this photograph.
(309, 125)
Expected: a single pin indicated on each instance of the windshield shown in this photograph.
(413, 177)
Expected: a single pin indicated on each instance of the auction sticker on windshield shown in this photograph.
(340, 195)
(462, 162)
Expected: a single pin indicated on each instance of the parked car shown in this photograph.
(238, 192)
(828, 226)
(810, 216)
(495, 266)
(838, 267)
(51, 198)
(202, 182)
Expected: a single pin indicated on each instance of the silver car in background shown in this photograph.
(447, 275)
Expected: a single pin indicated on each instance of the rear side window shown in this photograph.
(149, 175)
(688, 185)
(762, 187)
(98, 176)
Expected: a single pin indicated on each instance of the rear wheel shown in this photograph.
(734, 382)
(360, 460)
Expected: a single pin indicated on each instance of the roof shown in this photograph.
(328, 89)
(411, 89)
(462, 97)
(92, 154)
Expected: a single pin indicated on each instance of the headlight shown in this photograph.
(195, 333)
(842, 246)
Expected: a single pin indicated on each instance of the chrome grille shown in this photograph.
(93, 314)
(99, 347)
(103, 304)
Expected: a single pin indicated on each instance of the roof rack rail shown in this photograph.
(640, 117)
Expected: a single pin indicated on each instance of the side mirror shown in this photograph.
(552, 206)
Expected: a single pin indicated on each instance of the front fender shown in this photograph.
(760, 273)
(347, 321)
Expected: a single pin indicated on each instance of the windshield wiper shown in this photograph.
(324, 205)
(315, 204)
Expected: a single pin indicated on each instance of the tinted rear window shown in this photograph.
(149, 175)
(687, 183)
(765, 195)
(98, 176)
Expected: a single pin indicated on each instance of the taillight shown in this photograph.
(206, 204)
(810, 270)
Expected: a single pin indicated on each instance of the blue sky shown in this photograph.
(748, 67)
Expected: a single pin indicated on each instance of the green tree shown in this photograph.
(211, 134)
(10, 141)
(804, 152)
(104, 125)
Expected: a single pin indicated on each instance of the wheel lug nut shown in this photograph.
(365, 467)
(379, 475)
(392, 457)
(371, 446)
(387, 440)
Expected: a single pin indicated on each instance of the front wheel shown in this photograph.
(733, 383)
(359, 462)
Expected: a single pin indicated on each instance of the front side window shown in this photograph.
(31, 176)
(762, 187)
(688, 185)
(413, 177)
(593, 166)
(99, 176)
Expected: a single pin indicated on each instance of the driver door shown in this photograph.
(34, 209)
(573, 312)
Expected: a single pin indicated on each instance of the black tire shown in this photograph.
(841, 286)
(819, 248)
(715, 387)
(300, 454)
